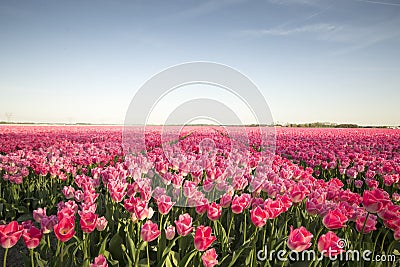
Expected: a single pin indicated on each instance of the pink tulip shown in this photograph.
(101, 223)
(99, 261)
(240, 203)
(164, 204)
(10, 234)
(170, 232)
(65, 229)
(88, 221)
(184, 224)
(259, 216)
(47, 223)
(299, 239)
(369, 225)
(335, 219)
(375, 200)
(69, 192)
(149, 231)
(209, 258)
(32, 237)
(203, 238)
(329, 244)
(38, 214)
(214, 211)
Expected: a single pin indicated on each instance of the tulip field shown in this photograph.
(75, 196)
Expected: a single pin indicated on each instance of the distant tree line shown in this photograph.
(328, 125)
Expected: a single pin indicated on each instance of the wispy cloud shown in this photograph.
(319, 28)
(208, 7)
(296, 2)
(380, 3)
(357, 38)
(348, 38)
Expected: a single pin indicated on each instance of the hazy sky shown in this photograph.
(83, 61)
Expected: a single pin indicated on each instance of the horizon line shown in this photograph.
(286, 124)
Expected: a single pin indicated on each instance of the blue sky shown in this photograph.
(314, 60)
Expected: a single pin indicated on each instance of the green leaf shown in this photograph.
(131, 245)
(172, 243)
(174, 256)
(115, 247)
(161, 245)
(223, 259)
(249, 257)
(22, 209)
(168, 262)
(142, 245)
(27, 260)
(185, 261)
(167, 251)
(25, 217)
(127, 255)
(66, 249)
(236, 255)
(222, 236)
(143, 263)
(103, 244)
(39, 261)
(109, 258)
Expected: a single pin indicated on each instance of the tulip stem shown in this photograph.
(62, 252)
(311, 263)
(230, 226)
(265, 233)
(137, 255)
(161, 237)
(244, 227)
(315, 246)
(58, 248)
(86, 248)
(254, 251)
(286, 258)
(148, 256)
(383, 241)
(5, 258)
(32, 262)
(376, 240)
(199, 256)
(48, 241)
(161, 223)
(316, 238)
(362, 231)
(180, 245)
